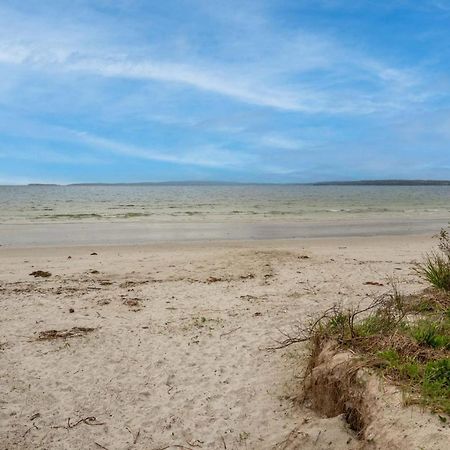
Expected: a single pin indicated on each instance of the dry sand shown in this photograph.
(177, 357)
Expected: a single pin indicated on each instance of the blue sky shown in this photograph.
(262, 90)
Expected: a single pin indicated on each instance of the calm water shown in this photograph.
(24, 204)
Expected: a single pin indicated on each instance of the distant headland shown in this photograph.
(384, 183)
(232, 183)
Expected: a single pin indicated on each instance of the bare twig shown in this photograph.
(87, 420)
(135, 437)
(99, 445)
(229, 332)
(173, 446)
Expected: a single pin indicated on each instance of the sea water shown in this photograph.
(244, 203)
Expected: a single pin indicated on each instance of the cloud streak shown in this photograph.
(299, 72)
(239, 89)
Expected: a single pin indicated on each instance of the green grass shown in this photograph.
(432, 333)
(431, 380)
(436, 270)
(407, 343)
(436, 267)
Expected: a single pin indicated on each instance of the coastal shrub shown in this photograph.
(436, 267)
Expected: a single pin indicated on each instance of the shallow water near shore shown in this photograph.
(250, 203)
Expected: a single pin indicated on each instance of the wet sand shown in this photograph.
(137, 233)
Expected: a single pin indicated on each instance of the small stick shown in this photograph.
(229, 332)
(135, 438)
(173, 445)
(317, 438)
(86, 420)
(101, 446)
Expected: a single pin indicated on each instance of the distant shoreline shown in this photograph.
(225, 183)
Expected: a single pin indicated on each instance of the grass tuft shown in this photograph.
(436, 267)
(436, 270)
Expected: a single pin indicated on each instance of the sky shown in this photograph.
(247, 91)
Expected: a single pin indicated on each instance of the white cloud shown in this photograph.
(206, 156)
(280, 142)
(266, 68)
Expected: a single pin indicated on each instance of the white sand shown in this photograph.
(185, 362)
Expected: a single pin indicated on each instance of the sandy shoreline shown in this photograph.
(138, 233)
(178, 351)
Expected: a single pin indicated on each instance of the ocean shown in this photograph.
(218, 204)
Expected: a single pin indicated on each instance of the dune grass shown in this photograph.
(396, 337)
(436, 267)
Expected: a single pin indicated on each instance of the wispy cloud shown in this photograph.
(301, 72)
(290, 88)
(45, 156)
(208, 156)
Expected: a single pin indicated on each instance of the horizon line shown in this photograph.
(374, 182)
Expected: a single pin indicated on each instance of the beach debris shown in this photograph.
(94, 254)
(173, 446)
(303, 257)
(229, 332)
(86, 420)
(100, 446)
(247, 277)
(373, 283)
(248, 297)
(49, 335)
(94, 272)
(196, 443)
(103, 301)
(71, 310)
(133, 303)
(40, 273)
(35, 416)
(135, 436)
(214, 279)
(69, 257)
(132, 283)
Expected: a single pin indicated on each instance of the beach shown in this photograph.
(224, 225)
(168, 344)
